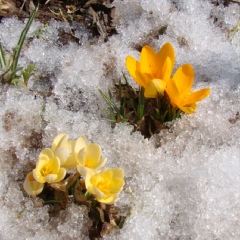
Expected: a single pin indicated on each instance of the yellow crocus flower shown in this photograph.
(48, 168)
(179, 90)
(106, 185)
(89, 159)
(154, 69)
(31, 186)
(66, 150)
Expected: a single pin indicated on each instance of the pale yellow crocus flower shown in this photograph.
(48, 168)
(89, 159)
(106, 185)
(67, 150)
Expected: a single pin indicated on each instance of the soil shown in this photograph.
(96, 15)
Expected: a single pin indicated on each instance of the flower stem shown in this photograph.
(87, 194)
(141, 104)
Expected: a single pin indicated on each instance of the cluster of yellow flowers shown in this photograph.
(52, 165)
(154, 71)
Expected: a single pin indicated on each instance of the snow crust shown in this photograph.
(183, 183)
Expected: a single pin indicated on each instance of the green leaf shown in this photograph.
(2, 58)
(114, 109)
(21, 40)
(141, 104)
(27, 73)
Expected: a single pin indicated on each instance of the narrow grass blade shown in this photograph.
(20, 43)
(108, 101)
(2, 58)
(112, 105)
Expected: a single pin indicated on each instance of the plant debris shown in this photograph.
(96, 15)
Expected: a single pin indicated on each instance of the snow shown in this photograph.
(183, 183)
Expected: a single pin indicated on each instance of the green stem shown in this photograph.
(87, 194)
(141, 104)
(51, 201)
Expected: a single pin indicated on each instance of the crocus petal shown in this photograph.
(105, 175)
(165, 52)
(116, 185)
(149, 62)
(167, 70)
(154, 88)
(196, 96)
(58, 140)
(84, 170)
(93, 153)
(62, 154)
(184, 78)
(88, 180)
(41, 162)
(81, 142)
(50, 178)
(81, 156)
(96, 192)
(131, 65)
(61, 175)
(70, 163)
(101, 163)
(172, 92)
(31, 186)
(118, 172)
(189, 109)
(92, 188)
(70, 144)
(36, 188)
(142, 78)
(37, 176)
(54, 165)
(46, 154)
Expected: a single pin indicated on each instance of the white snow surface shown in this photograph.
(183, 183)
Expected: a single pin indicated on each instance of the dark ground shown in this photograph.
(96, 15)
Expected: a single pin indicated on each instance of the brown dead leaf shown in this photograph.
(8, 6)
(61, 199)
(149, 126)
(71, 180)
(106, 228)
(60, 186)
(78, 195)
